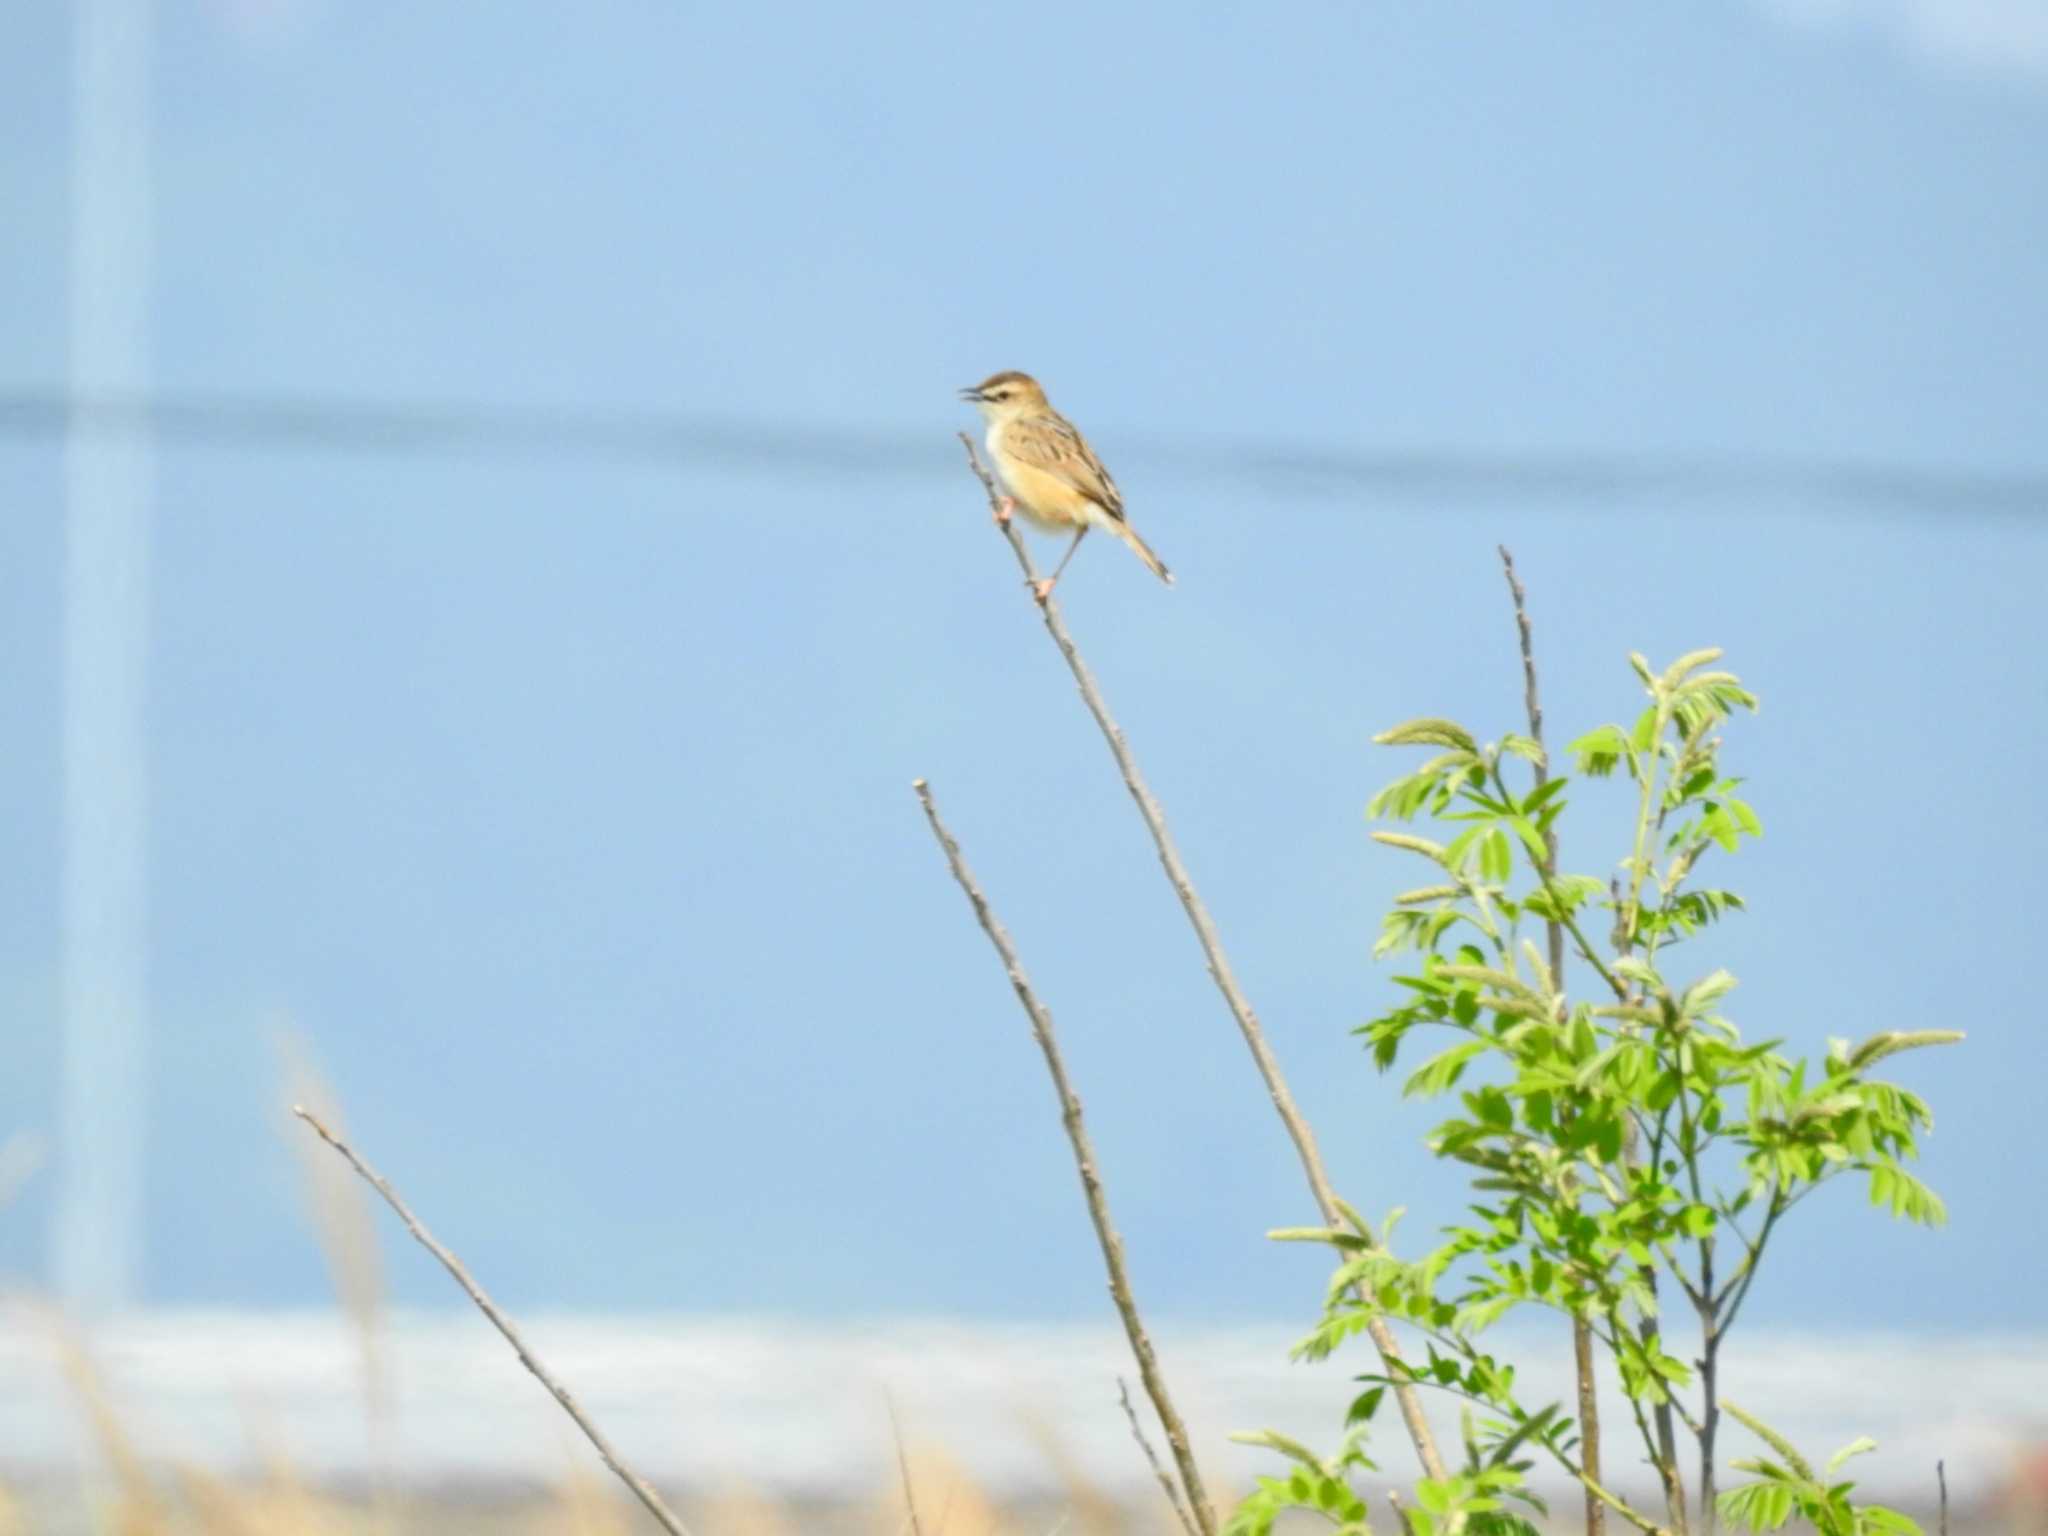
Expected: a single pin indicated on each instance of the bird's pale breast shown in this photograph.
(1044, 498)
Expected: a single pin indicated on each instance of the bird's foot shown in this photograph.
(1005, 509)
(1042, 590)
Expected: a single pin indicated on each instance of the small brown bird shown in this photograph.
(1052, 475)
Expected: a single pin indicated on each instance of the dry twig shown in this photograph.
(1219, 969)
(642, 1489)
(1084, 1161)
(1166, 1484)
(1582, 1330)
(903, 1468)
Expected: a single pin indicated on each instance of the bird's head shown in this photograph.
(1006, 396)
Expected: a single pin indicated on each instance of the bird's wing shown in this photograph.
(1053, 444)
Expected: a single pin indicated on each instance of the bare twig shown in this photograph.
(1554, 928)
(1665, 1453)
(345, 1220)
(1582, 1330)
(1084, 1161)
(642, 1489)
(1941, 1477)
(903, 1468)
(1166, 1484)
(1589, 1421)
(1219, 969)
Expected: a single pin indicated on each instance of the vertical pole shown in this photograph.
(96, 1242)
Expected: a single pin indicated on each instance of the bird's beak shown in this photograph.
(971, 394)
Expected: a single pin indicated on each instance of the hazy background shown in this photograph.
(556, 787)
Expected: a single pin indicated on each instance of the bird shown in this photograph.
(1052, 475)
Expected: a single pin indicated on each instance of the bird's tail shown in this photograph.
(1143, 551)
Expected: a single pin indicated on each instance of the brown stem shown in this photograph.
(1710, 1400)
(1554, 929)
(1651, 1333)
(1582, 1330)
(1084, 1161)
(642, 1489)
(903, 1470)
(1166, 1484)
(1219, 967)
(1589, 1421)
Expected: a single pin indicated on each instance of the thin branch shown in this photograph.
(1585, 946)
(642, 1489)
(1582, 1330)
(1627, 938)
(1710, 1392)
(903, 1467)
(1166, 1483)
(1588, 1390)
(1219, 966)
(1084, 1161)
(1651, 1330)
(1729, 1303)
(1692, 1292)
(1941, 1477)
(1564, 922)
(1627, 1511)
(1576, 1470)
(1692, 1425)
(1533, 699)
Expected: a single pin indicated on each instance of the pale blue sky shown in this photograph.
(563, 802)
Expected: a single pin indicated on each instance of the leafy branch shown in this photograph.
(1614, 1144)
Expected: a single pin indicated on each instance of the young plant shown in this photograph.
(1629, 1149)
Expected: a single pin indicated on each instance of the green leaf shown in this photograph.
(1364, 1406)
(1334, 1237)
(1441, 1071)
(1855, 1447)
(1688, 664)
(1499, 981)
(1428, 732)
(1422, 845)
(1756, 1505)
(1532, 839)
(1573, 892)
(1427, 893)
(1906, 1196)
(1770, 1437)
(1640, 971)
(1459, 853)
(1496, 861)
(1644, 736)
(1273, 1440)
(1707, 991)
(1891, 1041)
(1600, 751)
